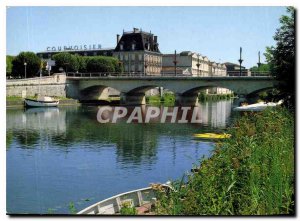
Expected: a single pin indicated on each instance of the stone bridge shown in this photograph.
(132, 88)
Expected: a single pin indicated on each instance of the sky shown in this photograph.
(216, 32)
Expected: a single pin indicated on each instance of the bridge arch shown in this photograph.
(98, 92)
(253, 93)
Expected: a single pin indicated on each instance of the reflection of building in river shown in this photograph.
(217, 114)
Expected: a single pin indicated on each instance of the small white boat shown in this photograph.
(141, 199)
(257, 107)
(41, 102)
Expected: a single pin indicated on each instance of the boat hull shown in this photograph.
(255, 107)
(36, 103)
(212, 136)
(113, 205)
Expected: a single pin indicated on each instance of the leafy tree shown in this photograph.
(100, 64)
(81, 62)
(117, 64)
(261, 68)
(32, 68)
(282, 58)
(66, 61)
(9, 60)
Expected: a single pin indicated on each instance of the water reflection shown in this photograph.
(55, 156)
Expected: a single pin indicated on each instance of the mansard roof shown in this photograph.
(143, 41)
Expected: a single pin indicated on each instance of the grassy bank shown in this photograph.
(15, 101)
(167, 99)
(252, 173)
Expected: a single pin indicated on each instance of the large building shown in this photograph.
(139, 52)
(191, 63)
(234, 70)
(187, 62)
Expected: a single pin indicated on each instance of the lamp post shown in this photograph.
(175, 63)
(145, 70)
(240, 61)
(258, 64)
(25, 64)
(198, 65)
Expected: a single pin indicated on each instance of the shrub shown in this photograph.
(66, 61)
(32, 68)
(100, 64)
(252, 173)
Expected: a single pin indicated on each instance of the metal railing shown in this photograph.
(249, 73)
(162, 74)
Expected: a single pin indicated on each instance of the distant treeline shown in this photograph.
(29, 64)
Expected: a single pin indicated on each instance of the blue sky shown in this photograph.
(216, 32)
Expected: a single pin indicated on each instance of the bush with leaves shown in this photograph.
(100, 64)
(32, 68)
(66, 61)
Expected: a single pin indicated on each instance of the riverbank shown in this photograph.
(252, 173)
(14, 101)
(214, 97)
(168, 99)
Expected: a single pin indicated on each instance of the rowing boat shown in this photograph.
(141, 199)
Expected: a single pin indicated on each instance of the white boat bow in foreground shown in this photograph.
(141, 199)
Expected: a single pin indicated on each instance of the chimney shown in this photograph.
(118, 38)
(135, 30)
(155, 39)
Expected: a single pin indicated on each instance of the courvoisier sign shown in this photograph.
(74, 47)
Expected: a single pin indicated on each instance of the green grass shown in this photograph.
(252, 173)
(13, 98)
(167, 99)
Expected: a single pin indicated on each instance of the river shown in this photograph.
(63, 155)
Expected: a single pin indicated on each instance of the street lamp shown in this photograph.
(240, 61)
(258, 64)
(175, 63)
(25, 64)
(145, 71)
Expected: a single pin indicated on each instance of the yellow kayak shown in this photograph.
(212, 136)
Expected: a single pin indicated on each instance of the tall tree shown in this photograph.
(282, 58)
(9, 60)
(32, 61)
(66, 61)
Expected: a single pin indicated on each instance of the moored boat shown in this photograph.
(212, 136)
(41, 102)
(257, 107)
(142, 200)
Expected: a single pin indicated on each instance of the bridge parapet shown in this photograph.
(73, 75)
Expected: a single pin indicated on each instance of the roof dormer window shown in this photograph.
(122, 46)
(133, 45)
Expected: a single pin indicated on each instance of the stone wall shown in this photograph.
(54, 85)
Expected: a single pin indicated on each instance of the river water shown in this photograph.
(63, 155)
